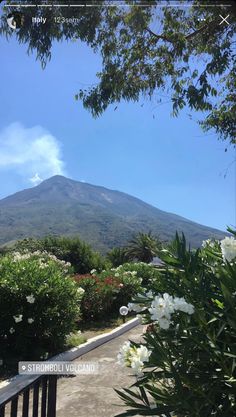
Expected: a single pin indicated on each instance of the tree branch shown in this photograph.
(187, 37)
(164, 38)
(210, 25)
(191, 35)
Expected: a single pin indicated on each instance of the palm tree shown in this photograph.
(143, 247)
(118, 256)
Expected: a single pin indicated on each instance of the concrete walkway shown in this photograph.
(94, 395)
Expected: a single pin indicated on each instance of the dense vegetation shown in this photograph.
(186, 365)
(73, 250)
(106, 292)
(40, 305)
(51, 287)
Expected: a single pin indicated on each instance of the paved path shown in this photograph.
(93, 395)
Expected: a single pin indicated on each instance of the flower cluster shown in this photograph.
(228, 248)
(43, 257)
(133, 273)
(163, 306)
(133, 357)
(208, 242)
(120, 271)
(18, 319)
(121, 267)
(30, 299)
(17, 256)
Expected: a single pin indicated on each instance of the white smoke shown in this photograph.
(33, 153)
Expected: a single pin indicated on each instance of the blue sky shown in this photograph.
(167, 162)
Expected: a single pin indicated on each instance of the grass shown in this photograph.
(75, 339)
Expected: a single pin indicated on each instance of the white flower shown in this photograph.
(162, 307)
(30, 299)
(137, 358)
(80, 291)
(137, 365)
(181, 305)
(123, 354)
(117, 274)
(30, 320)
(18, 318)
(133, 357)
(164, 323)
(17, 256)
(208, 242)
(228, 248)
(93, 271)
(143, 353)
(12, 330)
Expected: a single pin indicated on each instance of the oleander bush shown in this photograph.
(186, 365)
(99, 296)
(107, 291)
(147, 273)
(69, 249)
(130, 283)
(40, 304)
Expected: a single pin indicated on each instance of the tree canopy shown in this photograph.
(143, 247)
(184, 53)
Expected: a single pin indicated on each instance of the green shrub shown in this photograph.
(74, 339)
(130, 283)
(39, 305)
(147, 273)
(107, 291)
(26, 245)
(70, 249)
(99, 297)
(186, 365)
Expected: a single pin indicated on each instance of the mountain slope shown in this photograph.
(104, 218)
